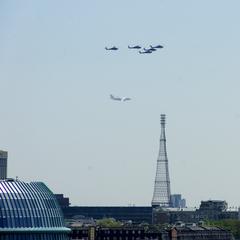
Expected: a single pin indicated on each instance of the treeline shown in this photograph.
(229, 224)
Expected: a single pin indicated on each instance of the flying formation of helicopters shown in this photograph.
(141, 51)
(144, 51)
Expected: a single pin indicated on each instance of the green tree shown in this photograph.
(108, 222)
(229, 224)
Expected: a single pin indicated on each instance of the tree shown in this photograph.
(108, 222)
(229, 224)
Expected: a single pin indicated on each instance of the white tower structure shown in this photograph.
(161, 194)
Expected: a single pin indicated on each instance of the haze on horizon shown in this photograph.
(59, 125)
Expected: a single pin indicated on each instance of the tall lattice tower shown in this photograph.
(161, 195)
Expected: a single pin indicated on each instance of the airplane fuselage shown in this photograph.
(145, 52)
(112, 48)
(158, 46)
(134, 47)
(122, 99)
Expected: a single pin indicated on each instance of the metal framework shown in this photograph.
(161, 195)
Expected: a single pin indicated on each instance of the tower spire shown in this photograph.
(161, 194)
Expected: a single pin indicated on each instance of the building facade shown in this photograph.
(198, 233)
(137, 233)
(3, 164)
(177, 201)
(116, 233)
(134, 214)
(62, 201)
(29, 211)
(208, 210)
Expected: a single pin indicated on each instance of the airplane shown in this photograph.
(150, 49)
(158, 46)
(146, 51)
(112, 48)
(134, 47)
(122, 99)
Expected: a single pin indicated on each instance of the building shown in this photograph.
(3, 164)
(199, 232)
(137, 233)
(216, 210)
(62, 201)
(213, 205)
(132, 213)
(161, 194)
(208, 210)
(30, 211)
(116, 233)
(151, 215)
(173, 215)
(176, 201)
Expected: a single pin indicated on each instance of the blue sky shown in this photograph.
(60, 126)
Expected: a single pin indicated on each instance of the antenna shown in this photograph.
(161, 194)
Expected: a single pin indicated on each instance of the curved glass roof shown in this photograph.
(29, 207)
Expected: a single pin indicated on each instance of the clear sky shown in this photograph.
(59, 125)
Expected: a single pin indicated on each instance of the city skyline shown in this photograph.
(59, 125)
